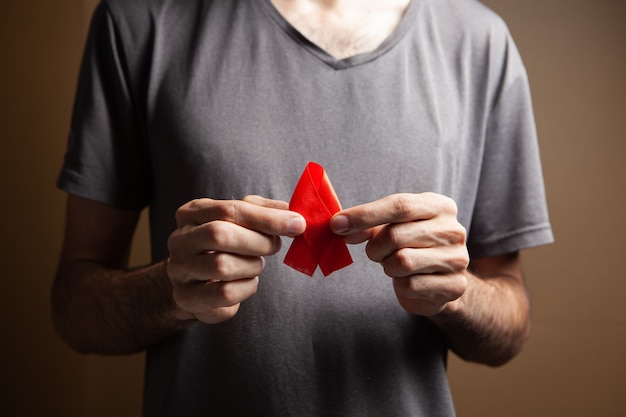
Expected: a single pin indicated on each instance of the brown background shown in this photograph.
(574, 364)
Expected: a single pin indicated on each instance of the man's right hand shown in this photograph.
(217, 250)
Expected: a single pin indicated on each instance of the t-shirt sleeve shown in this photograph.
(511, 211)
(106, 158)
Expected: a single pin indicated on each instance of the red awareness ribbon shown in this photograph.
(315, 198)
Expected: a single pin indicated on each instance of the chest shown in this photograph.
(243, 110)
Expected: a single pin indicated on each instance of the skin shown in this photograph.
(217, 253)
(343, 28)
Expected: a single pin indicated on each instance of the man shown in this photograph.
(207, 112)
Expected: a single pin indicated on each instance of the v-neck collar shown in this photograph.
(354, 60)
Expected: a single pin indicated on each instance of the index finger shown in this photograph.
(267, 220)
(396, 208)
(266, 202)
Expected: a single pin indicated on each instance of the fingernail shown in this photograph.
(296, 226)
(340, 224)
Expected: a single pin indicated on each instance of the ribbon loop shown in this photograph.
(315, 198)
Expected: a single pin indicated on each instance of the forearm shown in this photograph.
(490, 323)
(102, 310)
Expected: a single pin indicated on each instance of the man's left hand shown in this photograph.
(418, 241)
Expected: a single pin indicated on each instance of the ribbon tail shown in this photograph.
(300, 256)
(335, 257)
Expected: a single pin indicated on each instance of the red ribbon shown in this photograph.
(316, 200)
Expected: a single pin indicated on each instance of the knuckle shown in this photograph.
(460, 234)
(218, 234)
(214, 209)
(403, 204)
(462, 283)
(219, 315)
(371, 252)
(226, 210)
(403, 262)
(182, 213)
(173, 271)
(394, 235)
(459, 264)
(400, 264)
(450, 206)
(427, 295)
(440, 203)
(176, 241)
(185, 211)
(172, 242)
(222, 265)
(454, 234)
(176, 269)
(454, 261)
(454, 287)
(227, 294)
(254, 199)
(199, 204)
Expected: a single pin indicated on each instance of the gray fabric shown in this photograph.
(186, 99)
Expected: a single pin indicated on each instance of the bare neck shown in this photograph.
(344, 28)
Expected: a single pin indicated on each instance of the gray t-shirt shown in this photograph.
(180, 99)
